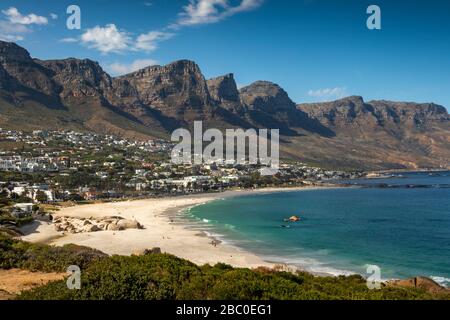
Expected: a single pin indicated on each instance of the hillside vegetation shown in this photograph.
(162, 276)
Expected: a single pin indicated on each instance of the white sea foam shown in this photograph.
(218, 236)
(309, 265)
(443, 281)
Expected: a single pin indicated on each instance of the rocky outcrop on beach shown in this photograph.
(83, 225)
(422, 283)
(147, 252)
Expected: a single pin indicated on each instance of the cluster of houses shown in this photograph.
(33, 164)
(35, 192)
(85, 140)
(86, 166)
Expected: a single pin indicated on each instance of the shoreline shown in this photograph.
(160, 230)
(419, 170)
(167, 227)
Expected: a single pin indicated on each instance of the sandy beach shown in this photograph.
(159, 230)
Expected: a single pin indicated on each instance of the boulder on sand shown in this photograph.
(113, 227)
(147, 252)
(129, 224)
(80, 225)
(91, 228)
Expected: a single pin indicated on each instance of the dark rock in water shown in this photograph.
(293, 219)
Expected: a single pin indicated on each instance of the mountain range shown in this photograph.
(152, 102)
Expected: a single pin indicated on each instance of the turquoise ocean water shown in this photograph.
(401, 224)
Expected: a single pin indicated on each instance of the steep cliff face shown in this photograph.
(78, 78)
(17, 62)
(59, 94)
(347, 133)
(382, 134)
(175, 89)
(417, 114)
(266, 97)
(353, 111)
(6, 81)
(269, 106)
(224, 92)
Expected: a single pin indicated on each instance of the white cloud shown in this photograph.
(149, 41)
(327, 94)
(10, 37)
(14, 25)
(69, 40)
(106, 39)
(54, 16)
(109, 39)
(15, 17)
(121, 69)
(211, 11)
(12, 32)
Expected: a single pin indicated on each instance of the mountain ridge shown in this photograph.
(153, 101)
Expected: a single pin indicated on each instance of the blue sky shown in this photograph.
(315, 49)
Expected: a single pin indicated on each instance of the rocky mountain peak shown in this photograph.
(78, 77)
(223, 89)
(21, 68)
(355, 110)
(266, 96)
(348, 132)
(179, 67)
(351, 101)
(410, 112)
(172, 88)
(11, 52)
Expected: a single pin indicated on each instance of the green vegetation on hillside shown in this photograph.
(37, 257)
(162, 276)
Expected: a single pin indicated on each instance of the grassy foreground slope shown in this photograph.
(162, 276)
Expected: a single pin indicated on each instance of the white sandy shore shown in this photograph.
(159, 230)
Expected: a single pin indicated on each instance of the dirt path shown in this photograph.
(14, 281)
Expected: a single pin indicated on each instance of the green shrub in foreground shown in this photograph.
(160, 276)
(37, 257)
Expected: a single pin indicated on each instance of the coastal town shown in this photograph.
(51, 167)
(224, 158)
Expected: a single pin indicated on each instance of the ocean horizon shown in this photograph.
(401, 224)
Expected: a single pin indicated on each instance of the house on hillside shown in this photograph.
(22, 210)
